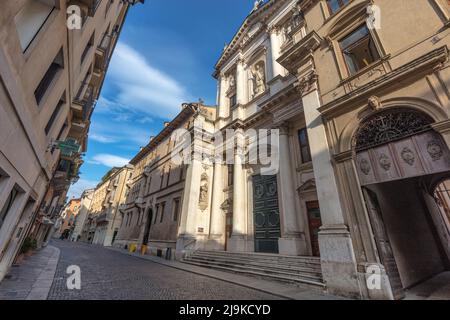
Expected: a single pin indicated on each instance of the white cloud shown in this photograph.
(109, 160)
(143, 87)
(77, 189)
(102, 138)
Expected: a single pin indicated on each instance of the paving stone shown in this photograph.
(106, 274)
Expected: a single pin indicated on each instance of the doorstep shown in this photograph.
(286, 291)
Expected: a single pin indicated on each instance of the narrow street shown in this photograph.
(107, 274)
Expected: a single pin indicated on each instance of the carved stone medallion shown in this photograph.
(435, 150)
(385, 162)
(408, 156)
(365, 166)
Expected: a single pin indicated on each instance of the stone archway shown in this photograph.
(396, 150)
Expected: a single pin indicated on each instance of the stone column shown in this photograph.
(292, 241)
(186, 241)
(222, 101)
(277, 69)
(217, 223)
(240, 82)
(238, 237)
(336, 249)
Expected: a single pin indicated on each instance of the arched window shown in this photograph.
(389, 126)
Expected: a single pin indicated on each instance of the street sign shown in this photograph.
(68, 147)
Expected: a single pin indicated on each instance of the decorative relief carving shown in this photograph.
(204, 190)
(385, 162)
(259, 191)
(408, 156)
(388, 126)
(365, 78)
(434, 149)
(365, 166)
(307, 83)
(374, 103)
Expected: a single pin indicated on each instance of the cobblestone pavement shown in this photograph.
(106, 274)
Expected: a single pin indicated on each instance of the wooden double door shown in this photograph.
(266, 213)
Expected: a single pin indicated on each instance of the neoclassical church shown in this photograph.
(360, 203)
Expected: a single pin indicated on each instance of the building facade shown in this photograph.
(66, 221)
(162, 194)
(374, 81)
(358, 92)
(85, 205)
(108, 221)
(50, 77)
(101, 222)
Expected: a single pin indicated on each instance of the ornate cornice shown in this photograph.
(294, 57)
(264, 13)
(307, 83)
(426, 62)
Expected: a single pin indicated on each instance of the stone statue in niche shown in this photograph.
(232, 82)
(258, 79)
(203, 199)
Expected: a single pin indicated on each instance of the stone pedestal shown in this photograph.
(216, 239)
(338, 261)
(237, 243)
(185, 246)
(292, 246)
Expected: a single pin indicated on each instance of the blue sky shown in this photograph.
(165, 56)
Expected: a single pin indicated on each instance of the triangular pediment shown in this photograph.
(254, 24)
(309, 185)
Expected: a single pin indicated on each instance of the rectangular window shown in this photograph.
(9, 204)
(49, 76)
(304, 145)
(55, 113)
(156, 214)
(108, 6)
(30, 20)
(163, 208)
(335, 5)
(230, 174)
(176, 209)
(233, 100)
(359, 50)
(87, 48)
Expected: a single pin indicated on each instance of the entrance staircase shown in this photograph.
(292, 269)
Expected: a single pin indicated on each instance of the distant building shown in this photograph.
(161, 192)
(103, 218)
(66, 221)
(50, 79)
(85, 204)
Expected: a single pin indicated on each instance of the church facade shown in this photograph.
(359, 111)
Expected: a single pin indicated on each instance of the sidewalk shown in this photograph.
(286, 291)
(33, 279)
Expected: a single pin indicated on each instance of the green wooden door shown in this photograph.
(266, 214)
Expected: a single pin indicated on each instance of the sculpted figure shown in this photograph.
(258, 80)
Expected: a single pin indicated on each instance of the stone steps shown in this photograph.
(300, 267)
(279, 259)
(302, 270)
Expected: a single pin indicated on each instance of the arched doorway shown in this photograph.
(397, 155)
(148, 225)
